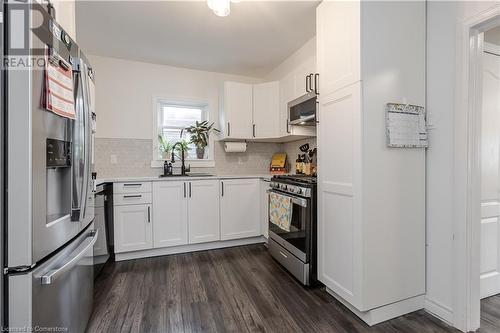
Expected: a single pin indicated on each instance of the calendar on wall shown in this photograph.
(406, 126)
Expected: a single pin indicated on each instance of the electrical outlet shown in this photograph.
(114, 159)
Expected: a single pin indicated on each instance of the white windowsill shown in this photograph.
(193, 163)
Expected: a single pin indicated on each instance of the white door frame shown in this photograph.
(467, 173)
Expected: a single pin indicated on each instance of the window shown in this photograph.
(171, 119)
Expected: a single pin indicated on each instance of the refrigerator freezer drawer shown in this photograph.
(58, 294)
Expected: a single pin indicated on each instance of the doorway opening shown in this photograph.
(489, 284)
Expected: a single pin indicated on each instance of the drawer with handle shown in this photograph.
(295, 266)
(132, 199)
(131, 187)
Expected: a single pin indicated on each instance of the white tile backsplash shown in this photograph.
(132, 158)
(115, 158)
(292, 150)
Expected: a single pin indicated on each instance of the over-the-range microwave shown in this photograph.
(302, 111)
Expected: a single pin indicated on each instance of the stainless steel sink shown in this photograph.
(199, 174)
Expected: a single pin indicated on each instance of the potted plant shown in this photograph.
(182, 146)
(164, 146)
(200, 133)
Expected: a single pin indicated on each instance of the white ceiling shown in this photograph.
(256, 37)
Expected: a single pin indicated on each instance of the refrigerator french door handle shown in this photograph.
(78, 202)
(88, 243)
(86, 140)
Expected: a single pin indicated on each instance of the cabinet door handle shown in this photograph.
(288, 126)
(184, 190)
(253, 130)
(132, 196)
(149, 214)
(190, 190)
(307, 83)
(316, 83)
(317, 111)
(222, 188)
(228, 129)
(129, 184)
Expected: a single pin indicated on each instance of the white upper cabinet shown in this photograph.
(236, 116)
(292, 86)
(250, 111)
(170, 226)
(338, 38)
(203, 211)
(266, 110)
(300, 75)
(240, 208)
(287, 93)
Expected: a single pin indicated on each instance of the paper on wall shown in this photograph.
(406, 126)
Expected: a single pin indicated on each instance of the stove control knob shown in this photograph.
(299, 191)
(284, 187)
(291, 189)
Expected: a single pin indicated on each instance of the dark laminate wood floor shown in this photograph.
(239, 289)
(490, 315)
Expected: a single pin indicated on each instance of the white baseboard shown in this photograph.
(439, 310)
(187, 248)
(386, 312)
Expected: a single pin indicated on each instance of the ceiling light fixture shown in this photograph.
(221, 7)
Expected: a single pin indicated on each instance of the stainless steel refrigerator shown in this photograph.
(49, 190)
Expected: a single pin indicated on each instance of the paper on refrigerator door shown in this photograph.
(59, 88)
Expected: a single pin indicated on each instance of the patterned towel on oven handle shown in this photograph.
(280, 210)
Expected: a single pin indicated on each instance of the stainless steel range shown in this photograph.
(294, 243)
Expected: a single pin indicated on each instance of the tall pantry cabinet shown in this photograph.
(371, 206)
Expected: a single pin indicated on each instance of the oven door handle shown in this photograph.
(298, 201)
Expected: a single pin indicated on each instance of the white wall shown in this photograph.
(65, 16)
(295, 60)
(125, 90)
(443, 20)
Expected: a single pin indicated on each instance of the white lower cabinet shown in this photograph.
(203, 211)
(185, 212)
(133, 228)
(240, 208)
(178, 213)
(170, 214)
(264, 207)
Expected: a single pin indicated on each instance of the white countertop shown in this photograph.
(179, 178)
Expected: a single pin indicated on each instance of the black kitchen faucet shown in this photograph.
(184, 170)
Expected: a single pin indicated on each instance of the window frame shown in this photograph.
(158, 102)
